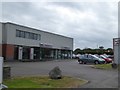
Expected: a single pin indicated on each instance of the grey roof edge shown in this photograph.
(35, 29)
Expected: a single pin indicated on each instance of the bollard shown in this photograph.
(6, 72)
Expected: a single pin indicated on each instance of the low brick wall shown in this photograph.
(6, 72)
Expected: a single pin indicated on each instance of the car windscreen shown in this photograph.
(95, 57)
(103, 56)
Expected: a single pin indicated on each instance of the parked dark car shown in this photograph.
(83, 59)
(111, 56)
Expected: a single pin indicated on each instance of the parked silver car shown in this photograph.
(83, 59)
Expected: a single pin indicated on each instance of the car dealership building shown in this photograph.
(19, 42)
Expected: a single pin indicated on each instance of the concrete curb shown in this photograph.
(86, 81)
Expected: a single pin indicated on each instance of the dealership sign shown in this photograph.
(116, 48)
(45, 45)
(116, 41)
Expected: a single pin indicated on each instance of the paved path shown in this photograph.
(97, 78)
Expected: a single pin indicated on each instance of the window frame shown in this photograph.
(27, 35)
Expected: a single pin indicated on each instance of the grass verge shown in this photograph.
(43, 82)
(103, 66)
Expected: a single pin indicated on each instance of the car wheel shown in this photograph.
(80, 62)
(106, 62)
(96, 62)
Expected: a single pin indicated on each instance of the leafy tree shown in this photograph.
(99, 51)
(77, 51)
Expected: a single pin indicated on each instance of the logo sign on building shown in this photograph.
(65, 48)
(116, 41)
(45, 46)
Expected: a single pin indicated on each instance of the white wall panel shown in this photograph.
(57, 41)
(1, 69)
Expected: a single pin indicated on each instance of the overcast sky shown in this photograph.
(91, 24)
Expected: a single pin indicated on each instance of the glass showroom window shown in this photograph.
(27, 35)
(35, 36)
(39, 37)
(31, 36)
(17, 33)
(22, 34)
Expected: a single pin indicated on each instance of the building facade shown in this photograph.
(21, 42)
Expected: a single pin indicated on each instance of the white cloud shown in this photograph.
(60, 0)
(90, 24)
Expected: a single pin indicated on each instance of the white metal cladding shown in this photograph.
(116, 43)
(54, 40)
(0, 33)
(1, 69)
